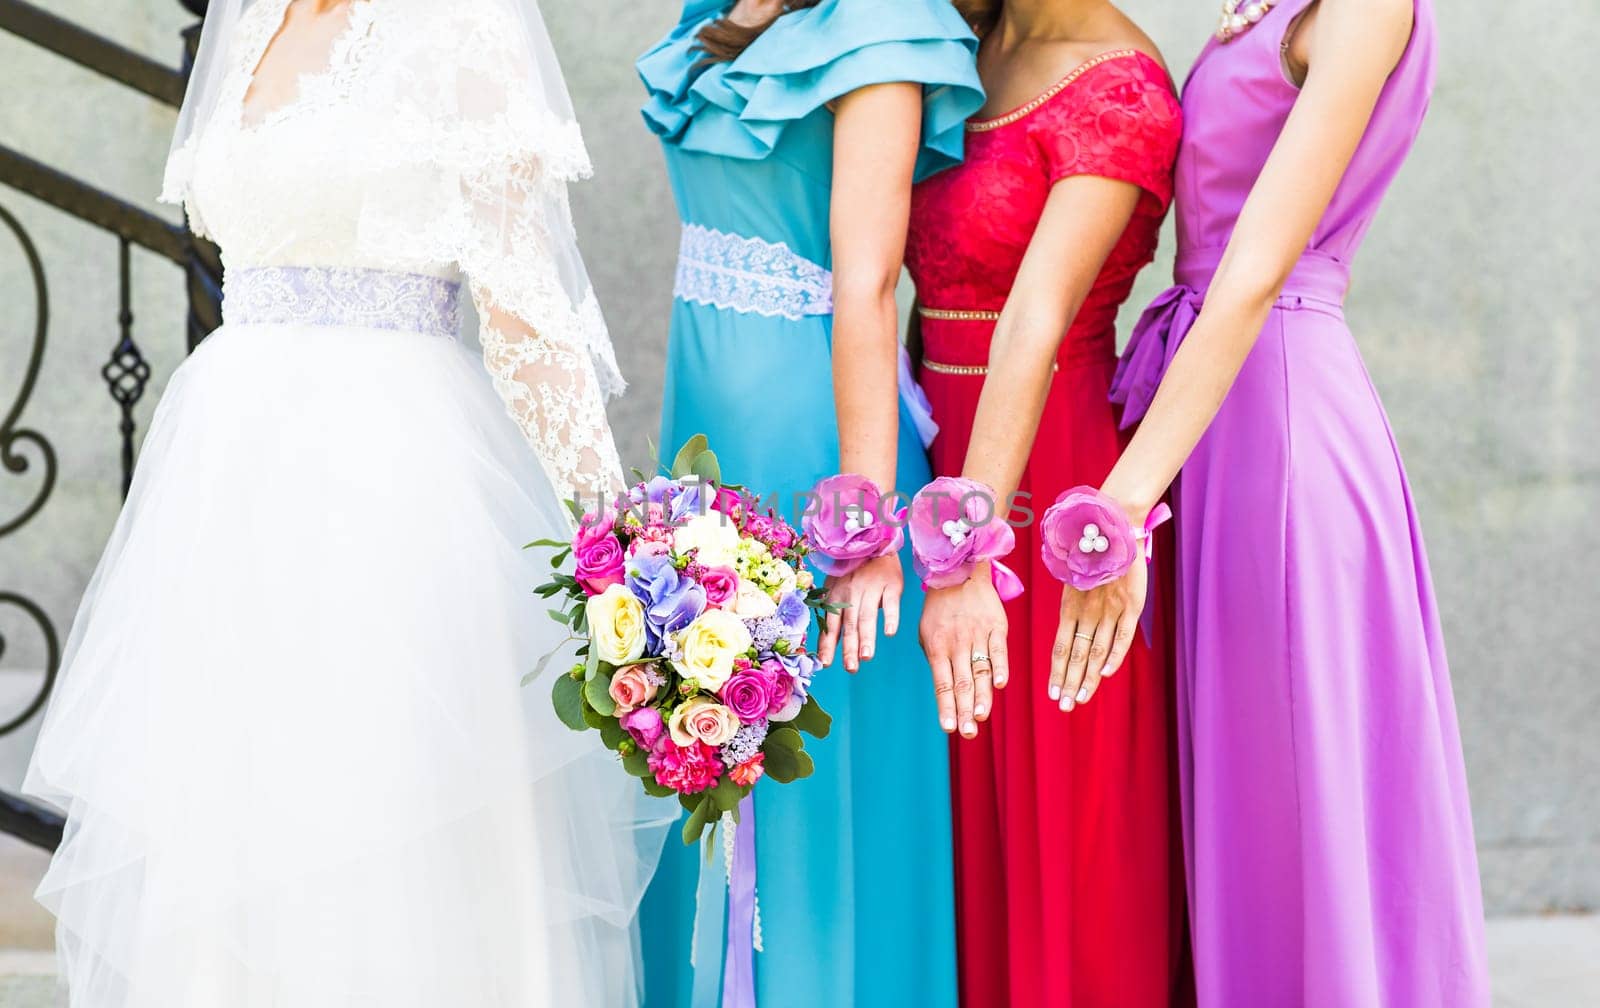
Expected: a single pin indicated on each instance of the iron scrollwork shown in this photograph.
(14, 438)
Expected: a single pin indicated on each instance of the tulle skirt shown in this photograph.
(299, 766)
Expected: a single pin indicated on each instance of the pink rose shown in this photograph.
(728, 501)
(746, 693)
(688, 769)
(779, 683)
(721, 585)
(645, 725)
(702, 720)
(750, 771)
(634, 686)
(598, 555)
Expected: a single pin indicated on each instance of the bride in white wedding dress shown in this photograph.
(298, 766)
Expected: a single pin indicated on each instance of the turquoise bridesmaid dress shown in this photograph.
(853, 864)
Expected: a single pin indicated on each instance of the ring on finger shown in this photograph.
(1083, 636)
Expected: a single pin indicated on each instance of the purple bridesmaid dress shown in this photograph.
(1326, 822)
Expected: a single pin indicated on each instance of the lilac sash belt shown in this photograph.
(1317, 278)
(337, 296)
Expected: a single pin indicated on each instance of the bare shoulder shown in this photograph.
(1380, 19)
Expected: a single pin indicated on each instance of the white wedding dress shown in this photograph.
(299, 768)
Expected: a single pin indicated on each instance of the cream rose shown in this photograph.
(616, 625)
(752, 602)
(708, 646)
(713, 535)
(703, 720)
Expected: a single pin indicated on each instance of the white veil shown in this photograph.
(482, 141)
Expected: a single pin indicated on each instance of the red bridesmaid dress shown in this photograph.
(1069, 877)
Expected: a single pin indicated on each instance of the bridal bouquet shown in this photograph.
(691, 608)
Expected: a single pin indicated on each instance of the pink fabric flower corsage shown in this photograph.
(956, 524)
(1087, 541)
(851, 524)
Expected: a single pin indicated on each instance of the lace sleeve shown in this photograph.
(544, 341)
(536, 347)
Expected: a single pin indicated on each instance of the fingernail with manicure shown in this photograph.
(948, 724)
(1083, 695)
(1055, 692)
(982, 710)
(969, 729)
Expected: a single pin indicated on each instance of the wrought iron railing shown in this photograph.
(24, 450)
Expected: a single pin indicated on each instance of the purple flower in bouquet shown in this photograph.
(1086, 540)
(848, 526)
(745, 744)
(598, 554)
(955, 525)
(721, 586)
(645, 725)
(671, 601)
(794, 616)
(688, 769)
(691, 501)
(656, 491)
(801, 667)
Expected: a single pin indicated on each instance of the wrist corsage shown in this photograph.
(850, 523)
(956, 524)
(1087, 540)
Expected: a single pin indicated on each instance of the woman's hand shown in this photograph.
(1096, 631)
(875, 585)
(964, 636)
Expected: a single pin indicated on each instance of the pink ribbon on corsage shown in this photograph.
(956, 524)
(1086, 540)
(849, 523)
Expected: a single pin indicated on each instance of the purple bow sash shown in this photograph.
(1317, 277)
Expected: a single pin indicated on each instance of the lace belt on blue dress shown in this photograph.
(330, 296)
(750, 275)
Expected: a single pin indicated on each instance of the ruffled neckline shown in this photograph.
(740, 108)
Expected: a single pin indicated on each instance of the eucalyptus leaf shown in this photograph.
(683, 462)
(539, 667)
(612, 734)
(706, 467)
(727, 794)
(597, 690)
(567, 695)
(653, 789)
(703, 815)
(783, 737)
(813, 720)
(781, 764)
(637, 763)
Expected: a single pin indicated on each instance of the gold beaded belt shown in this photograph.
(941, 315)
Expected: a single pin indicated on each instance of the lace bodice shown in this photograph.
(1116, 117)
(419, 150)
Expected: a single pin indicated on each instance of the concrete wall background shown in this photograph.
(1474, 302)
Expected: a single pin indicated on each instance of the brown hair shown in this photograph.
(724, 39)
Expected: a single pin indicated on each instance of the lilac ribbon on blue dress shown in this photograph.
(739, 968)
(725, 920)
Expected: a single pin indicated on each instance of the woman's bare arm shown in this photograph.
(1352, 47)
(877, 133)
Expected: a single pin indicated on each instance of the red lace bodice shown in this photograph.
(1114, 116)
